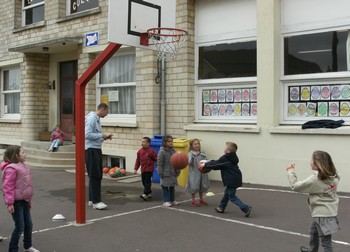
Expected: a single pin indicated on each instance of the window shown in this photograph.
(316, 77)
(33, 11)
(227, 60)
(226, 85)
(75, 6)
(117, 85)
(10, 92)
(113, 161)
(315, 53)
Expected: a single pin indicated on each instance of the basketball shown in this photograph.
(203, 170)
(179, 160)
(105, 170)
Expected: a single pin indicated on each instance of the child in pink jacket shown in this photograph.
(18, 192)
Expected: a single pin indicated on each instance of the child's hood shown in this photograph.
(3, 165)
(232, 157)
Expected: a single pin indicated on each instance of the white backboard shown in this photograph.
(128, 18)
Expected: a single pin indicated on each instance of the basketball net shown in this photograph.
(167, 41)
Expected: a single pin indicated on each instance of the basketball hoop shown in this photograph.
(167, 41)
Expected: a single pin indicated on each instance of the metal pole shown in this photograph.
(162, 101)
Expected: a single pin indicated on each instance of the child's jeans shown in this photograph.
(230, 194)
(168, 193)
(55, 143)
(147, 182)
(23, 224)
(326, 240)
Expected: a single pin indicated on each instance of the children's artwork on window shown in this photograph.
(222, 109)
(237, 95)
(345, 108)
(213, 96)
(206, 96)
(229, 95)
(325, 93)
(330, 100)
(222, 95)
(215, 110)
(229, 102)
(207, 110)
(305, 93)
(229, 109)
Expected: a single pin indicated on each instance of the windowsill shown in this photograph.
(79, 15)
(343, 130)
(223, 128)
(31, 26)
(118, 123)
(10, 120)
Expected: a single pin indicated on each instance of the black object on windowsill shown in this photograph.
(329, 124)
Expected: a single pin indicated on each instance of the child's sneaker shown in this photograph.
(90, 203)
(31, 249)
(174, 203)
(99, 206)
(167, 204)
(1, 238)
(248, 212)
(149, 196)
(144, 197)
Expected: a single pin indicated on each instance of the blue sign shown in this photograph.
(91, 39)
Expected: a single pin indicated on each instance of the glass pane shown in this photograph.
(67, 87)
(315, 53)
(68, 69)
(119, 69)
(11, 79)
(12, 103)
(124, 103)
(227, 60)
(34, 15)
(67, 106)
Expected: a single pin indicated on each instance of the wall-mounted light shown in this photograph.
(45, 49)
(51, 85)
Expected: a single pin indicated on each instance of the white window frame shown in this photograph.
(122, 120)
(27, 8)
(3, 93)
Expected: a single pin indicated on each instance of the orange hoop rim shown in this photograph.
(158, 32)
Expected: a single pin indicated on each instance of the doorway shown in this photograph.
(68, 76)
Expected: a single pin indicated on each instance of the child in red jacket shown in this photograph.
(145, 158)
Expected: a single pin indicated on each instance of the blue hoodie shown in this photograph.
(93, 131)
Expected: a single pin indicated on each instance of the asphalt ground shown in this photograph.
(279, 220)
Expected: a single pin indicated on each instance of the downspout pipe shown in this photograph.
(162, 99)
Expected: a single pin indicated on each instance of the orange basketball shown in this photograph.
(105, 170)
(179, 160)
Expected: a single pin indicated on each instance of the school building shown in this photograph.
(251, 71)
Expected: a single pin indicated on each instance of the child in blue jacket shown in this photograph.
(231, 177)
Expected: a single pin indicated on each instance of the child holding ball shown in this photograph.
(323, 200)
(198, 182)
(167, 173)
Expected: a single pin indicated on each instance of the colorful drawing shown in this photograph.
(292, 109)
(253, 94)
(237, 108)
(315, 92)
(245, 109)
(325, 93)
(335, 92)
(322, 109)
(345, 108)
(301, 109)
(207, 110)
(229, 95)
(254, 109)
(345, 92)
(215, 110)
(213, 96)
(221, 95)
(222, 109)
(206, 96)
(237, 95)
(294, 93)
(229, 109)
(333, 108)
(245, 94)
(311, 109)
(305, 93)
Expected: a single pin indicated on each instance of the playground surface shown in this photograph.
(279, 220)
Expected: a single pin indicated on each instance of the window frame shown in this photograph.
(15, 116)
(127, 120)
(30, 7)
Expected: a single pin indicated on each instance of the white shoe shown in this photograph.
(174, 203)
(31, 249)
(90, 203)
(99, 206)
(167, 204)
(149, 196)
(1, 238)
